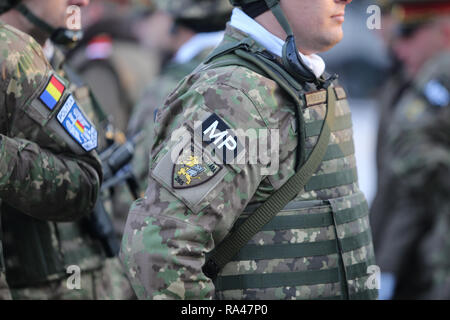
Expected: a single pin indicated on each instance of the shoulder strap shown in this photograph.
(230, 246)
(257, 62)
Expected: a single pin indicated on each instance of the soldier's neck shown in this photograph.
(271, 24)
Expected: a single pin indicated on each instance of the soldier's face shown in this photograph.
(415, 50)
(54, 12)
(317, 24)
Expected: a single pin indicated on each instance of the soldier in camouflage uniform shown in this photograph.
(410, 214)
(47, 173)
(299, 210)
(38, 253)
(196, 44)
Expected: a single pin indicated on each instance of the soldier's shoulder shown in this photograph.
(20, 52)
(239, 77)
(257, 88)
(237, 93)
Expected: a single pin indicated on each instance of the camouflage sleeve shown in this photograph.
(45, 185)
(44, 170)
(190, 205)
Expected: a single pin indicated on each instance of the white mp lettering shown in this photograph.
(230, 143)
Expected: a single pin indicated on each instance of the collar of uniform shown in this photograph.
(196, 45)
(240, 20)
(54, 55)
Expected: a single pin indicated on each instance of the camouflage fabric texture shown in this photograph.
(43, 173)
(102, 278)
(142, 119)
(189, 207)
(31, 275)
(415, 165)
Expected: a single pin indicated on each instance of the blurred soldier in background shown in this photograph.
(410, 215)
(186, 32)
(38, 253)
(112, 57)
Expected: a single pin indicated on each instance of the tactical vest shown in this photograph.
(319, 246)
(39, 251)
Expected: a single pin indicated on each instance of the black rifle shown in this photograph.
(116, 169)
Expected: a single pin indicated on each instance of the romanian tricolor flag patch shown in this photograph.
(52, 93)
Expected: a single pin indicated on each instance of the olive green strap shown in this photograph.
(291, 279)
(228, 248)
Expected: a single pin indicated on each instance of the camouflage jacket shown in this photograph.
(190, 207)
(142, 120)
(43, 171)
(411, 237)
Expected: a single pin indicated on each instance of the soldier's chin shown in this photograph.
(329, 42)
(336, 37)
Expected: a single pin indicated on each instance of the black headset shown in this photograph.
(291, 59)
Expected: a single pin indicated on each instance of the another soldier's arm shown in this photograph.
(44, 172)
(46, 185)
(181, 218)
